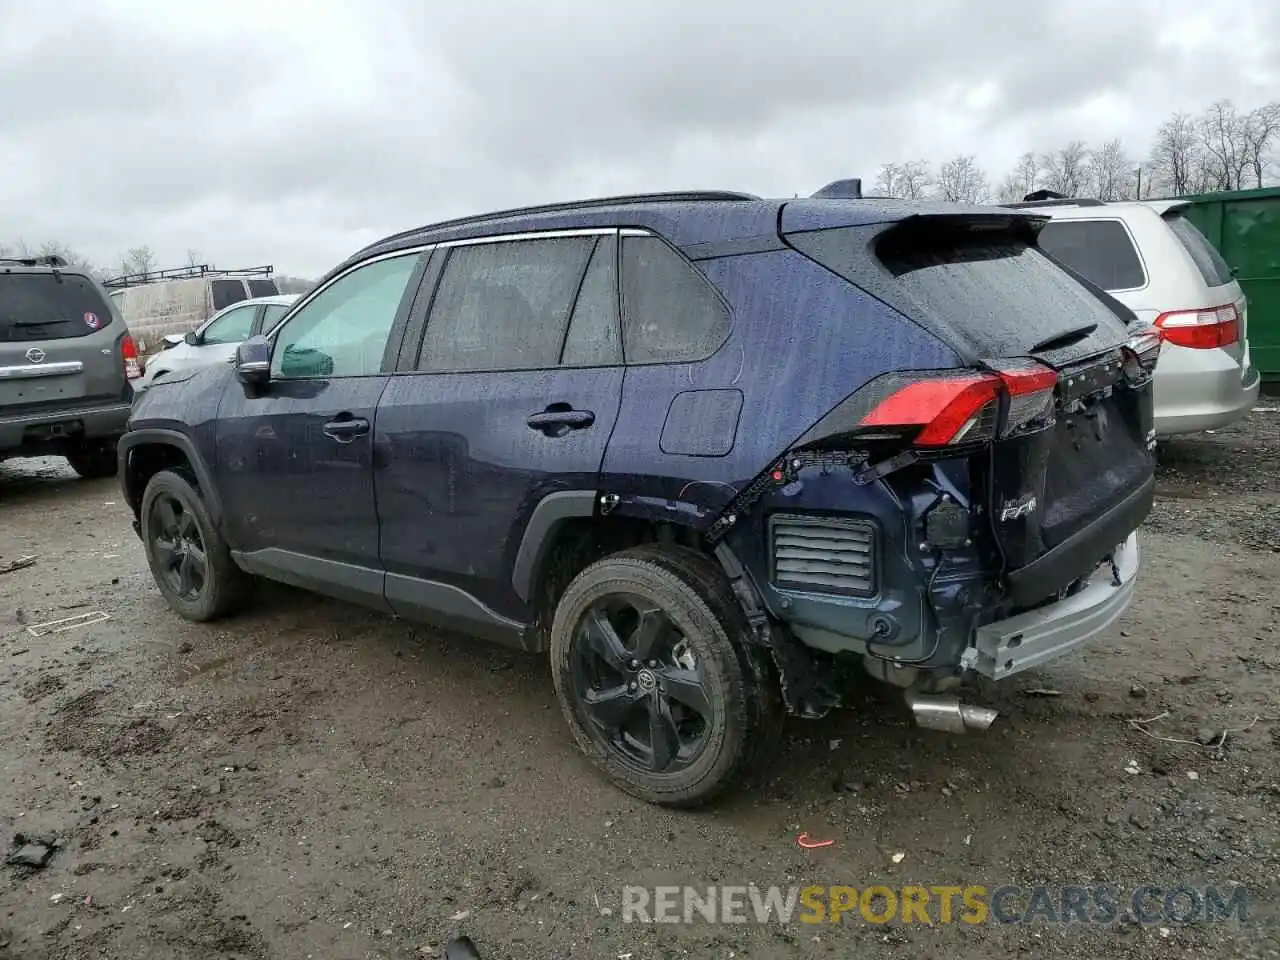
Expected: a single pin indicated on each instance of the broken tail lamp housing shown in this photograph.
(1141, 353)
(940, 409)
(1201, 329)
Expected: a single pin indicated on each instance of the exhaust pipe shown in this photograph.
(947, 713)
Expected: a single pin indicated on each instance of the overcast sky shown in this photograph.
(293, 132)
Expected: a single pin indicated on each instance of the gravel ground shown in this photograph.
(309, 780)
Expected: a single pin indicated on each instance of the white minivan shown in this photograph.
(1156, 262)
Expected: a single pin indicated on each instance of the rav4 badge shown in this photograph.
(1017, 509)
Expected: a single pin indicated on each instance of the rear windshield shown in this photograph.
(262, 288)
(49, 306)
(227, 292)
(1208, 261)
(1099, 250)
(992, 294)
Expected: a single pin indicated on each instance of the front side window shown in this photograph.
(343, 330)
(231, 327)
(670, 313)
(504, 306)
(271, 315)
(1099, 250)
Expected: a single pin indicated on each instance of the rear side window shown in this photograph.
(1101, 251)
(504, 306)
(262, 288)
(594, 339)
(670, 312)
(48, 306)
(1208, 261)
(227, 292)
(985, 291)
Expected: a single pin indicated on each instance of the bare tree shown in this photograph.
(1175, 156)
(961, 180)
(915, 180)
(138, 260)
(1222, 134)
(906, 181)
(887, 180)
(1065, 170)
(1112, 172)
(1261, 129)
(193, 258)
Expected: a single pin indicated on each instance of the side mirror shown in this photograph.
(253, 361)
(173, 339)
(191, 339)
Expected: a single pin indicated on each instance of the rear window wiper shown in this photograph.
(1064, 338)
(38, 323)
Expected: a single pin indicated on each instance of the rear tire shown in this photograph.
(657, 678)
(189, 560)
(93, 461)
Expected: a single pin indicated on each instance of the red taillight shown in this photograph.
(1201, 329)
(956, 409)
(129, 353)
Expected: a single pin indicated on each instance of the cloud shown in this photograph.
(294, 132)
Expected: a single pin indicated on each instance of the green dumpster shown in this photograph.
(1245, 227)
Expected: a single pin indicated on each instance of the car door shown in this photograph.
(512, 396)
(295, 458)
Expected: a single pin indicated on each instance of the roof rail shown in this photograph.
(684, 196)
(47, 260)
(194, 272)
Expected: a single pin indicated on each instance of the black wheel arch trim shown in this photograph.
(551, 511)
(159, 436)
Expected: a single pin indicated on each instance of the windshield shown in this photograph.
(992, 293)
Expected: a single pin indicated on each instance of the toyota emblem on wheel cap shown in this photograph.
(35, 355)
(647, 680)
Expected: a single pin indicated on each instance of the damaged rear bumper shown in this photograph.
(1031, 639)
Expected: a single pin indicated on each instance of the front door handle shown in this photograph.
(346, 428)
(559, 419)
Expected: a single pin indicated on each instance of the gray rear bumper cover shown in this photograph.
(1031, 639)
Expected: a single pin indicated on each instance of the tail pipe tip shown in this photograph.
(947, 713)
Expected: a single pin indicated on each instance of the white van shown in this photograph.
(155, 305)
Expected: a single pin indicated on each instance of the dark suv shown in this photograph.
(66, 362)
(705, 449)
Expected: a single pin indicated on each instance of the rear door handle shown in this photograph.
(345, 429)
(557, 422)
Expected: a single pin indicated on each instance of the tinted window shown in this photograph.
(1098, 250)
(262, 288)
(42, 306)
(343, 330)
(232, 327)
(988, 293)
(670, 312)
(271, 315)
(1208, 261)
(504, 306)
(227, 292)
(594, 338)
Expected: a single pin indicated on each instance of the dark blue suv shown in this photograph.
(704, 449)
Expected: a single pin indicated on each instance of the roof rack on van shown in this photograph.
(682, 196)
(49, 260)
(194, 272)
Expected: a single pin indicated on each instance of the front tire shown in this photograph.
(93, 461)
(656, 675)
(189, 560)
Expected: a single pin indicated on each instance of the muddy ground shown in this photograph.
(309, 780)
